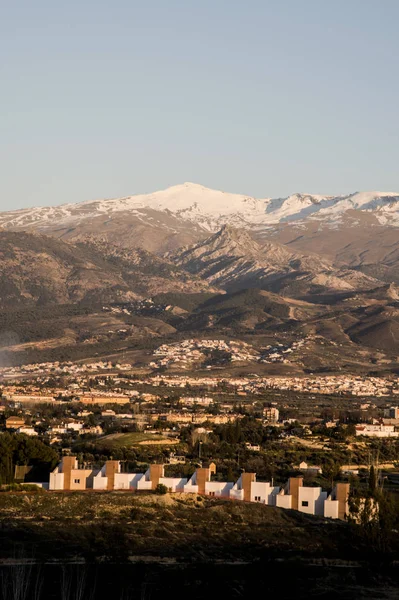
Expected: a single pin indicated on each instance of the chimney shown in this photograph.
(342, 494)
(156, 472)
(69, 463)
(111, 467)
(246, 480)
(202, 476)
(294, 483)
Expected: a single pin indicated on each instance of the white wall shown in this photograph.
(136, 477)
(320, 504)
(174, 484)
(284, 500)
(56, 480)
(143, 484)
(273, 496)
(190, 487)
(331, 508)
(236, 494)
(315, 499)
(100, 482)
(75, 426)
(218, 488)
(122, 481)
(266, 492)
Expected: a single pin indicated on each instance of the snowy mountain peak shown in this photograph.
(209, 209)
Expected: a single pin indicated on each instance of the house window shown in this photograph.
(305, 503)
(76, 480)
(211, 493)
(257, 498)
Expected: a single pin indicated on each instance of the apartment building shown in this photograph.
(271, 414)
(15, 422)
(30, 399)
(68, 475)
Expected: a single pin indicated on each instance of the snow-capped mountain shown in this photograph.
(210, 209)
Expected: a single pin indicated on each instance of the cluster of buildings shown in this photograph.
(191, 351)
(185, 353)
(34, 395)
(68, 475)
(347, 385)
(376, 430)
(334, 384)
(19, 425)
(138, 307)
(279, 352)
(63, 368)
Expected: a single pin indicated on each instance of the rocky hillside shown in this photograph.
(40, 270)
(372, 249)
(232, 259)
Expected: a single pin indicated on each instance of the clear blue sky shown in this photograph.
(263, 97)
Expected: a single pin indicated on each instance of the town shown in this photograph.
(327, 430)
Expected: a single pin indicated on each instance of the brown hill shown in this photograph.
(37, 270)
(232, 259)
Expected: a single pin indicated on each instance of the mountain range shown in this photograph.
(323, 266)
(358, 230)
(211, 208)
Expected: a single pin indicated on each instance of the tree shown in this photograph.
(372, 480)
(19, 449)
(332, 471)
(161, 489)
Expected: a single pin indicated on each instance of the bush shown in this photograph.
(22, 487)
(161, 489)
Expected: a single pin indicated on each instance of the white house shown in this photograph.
(376, 430)
(68, 475)
(27, 431)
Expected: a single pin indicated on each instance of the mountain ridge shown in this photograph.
(231, 259)
(37, 270)
(210, 209)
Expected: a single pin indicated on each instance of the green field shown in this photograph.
(119, 440)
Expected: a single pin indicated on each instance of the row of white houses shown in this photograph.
(294, 495)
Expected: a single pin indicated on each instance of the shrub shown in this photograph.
(161, 489)
(22, 487)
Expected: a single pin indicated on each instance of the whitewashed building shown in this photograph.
(376, 430)
(68, 475)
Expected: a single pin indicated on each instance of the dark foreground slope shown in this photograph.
(99, 545)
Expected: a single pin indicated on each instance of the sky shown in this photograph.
(104, 99)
